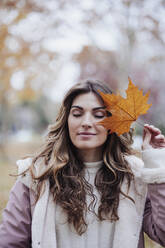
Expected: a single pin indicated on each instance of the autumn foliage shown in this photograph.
(124, 110)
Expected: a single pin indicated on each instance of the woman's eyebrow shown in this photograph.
(97, 108)
(76, 106)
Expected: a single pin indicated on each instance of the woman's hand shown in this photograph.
(152, 137)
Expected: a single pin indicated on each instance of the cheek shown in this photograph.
(72, 126)
(102, 130)
(103, 134)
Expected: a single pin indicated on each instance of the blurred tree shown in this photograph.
(16, 74)
(108, 40)
(98, 64)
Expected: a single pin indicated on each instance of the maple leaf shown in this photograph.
(124, 110)
(110, 99)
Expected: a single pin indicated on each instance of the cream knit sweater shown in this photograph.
(99, 233)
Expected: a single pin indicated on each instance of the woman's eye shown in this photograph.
(76, 114)
(101, 115)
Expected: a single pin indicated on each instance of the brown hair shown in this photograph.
(65, 171)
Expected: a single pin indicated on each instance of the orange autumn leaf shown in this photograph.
(110, 99)
(124, 110)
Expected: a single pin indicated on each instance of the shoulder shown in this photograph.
(24, 164)
(24, 174)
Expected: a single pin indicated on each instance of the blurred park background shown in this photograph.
(47, 46)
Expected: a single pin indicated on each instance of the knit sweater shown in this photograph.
(98, 234)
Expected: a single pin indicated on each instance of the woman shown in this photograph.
(86, 188)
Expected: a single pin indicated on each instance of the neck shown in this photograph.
(91, 155)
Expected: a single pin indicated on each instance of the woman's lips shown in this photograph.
(86, 134)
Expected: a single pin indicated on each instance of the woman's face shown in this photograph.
(86, 111)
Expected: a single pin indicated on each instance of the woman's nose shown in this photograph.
(87, 121)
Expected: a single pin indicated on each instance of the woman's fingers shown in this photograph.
(160, 137)
(152, 129)
(152, 137)
(146, 139)
(159, 140)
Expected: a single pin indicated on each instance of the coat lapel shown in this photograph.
(43, 222)
(128, 227)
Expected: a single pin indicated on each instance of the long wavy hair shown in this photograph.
(65, 170)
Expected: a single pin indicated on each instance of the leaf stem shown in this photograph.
(140, 123)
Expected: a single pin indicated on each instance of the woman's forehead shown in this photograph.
(87, 99)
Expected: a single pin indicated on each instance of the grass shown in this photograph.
(7, 167)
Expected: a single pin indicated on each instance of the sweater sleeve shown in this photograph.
(154, 166)
(15, 229)
(154, 214)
